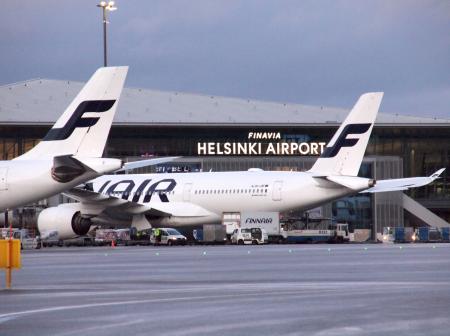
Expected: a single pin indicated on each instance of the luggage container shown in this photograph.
(210, 234)
(422, 234)
(445, 234)
(429, 234)
(399, 234)
(434, 235)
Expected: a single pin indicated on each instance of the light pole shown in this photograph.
(105, 6)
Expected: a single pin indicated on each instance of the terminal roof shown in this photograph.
(41, 101)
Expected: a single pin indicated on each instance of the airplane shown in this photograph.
(71, 152)
(159, 200)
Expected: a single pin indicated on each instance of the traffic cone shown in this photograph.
(113, 244)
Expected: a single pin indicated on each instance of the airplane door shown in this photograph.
(277, 187)
(187, 192)
(3, 178)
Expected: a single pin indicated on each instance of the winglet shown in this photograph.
(437, 174)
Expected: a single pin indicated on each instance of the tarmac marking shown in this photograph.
(321, 292)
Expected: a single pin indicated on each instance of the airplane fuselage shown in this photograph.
(221, 192)
(26, 181)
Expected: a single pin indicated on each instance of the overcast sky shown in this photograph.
(309, 52)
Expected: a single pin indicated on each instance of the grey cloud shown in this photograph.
(311, 52)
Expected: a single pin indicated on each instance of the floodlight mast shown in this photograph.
(106, 6)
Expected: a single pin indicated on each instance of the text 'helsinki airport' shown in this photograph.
(212, 133)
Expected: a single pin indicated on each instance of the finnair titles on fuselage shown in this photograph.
(147, 200)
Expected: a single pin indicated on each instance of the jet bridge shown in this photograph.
(418, 210)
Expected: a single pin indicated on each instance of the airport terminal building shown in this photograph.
(223, 134)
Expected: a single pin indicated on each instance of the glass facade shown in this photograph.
(423, 150)
(393, 152)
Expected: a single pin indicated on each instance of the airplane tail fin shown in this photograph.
(83, 128)
(344, 153)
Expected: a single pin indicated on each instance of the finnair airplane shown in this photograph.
(150, 200)
(71, 152)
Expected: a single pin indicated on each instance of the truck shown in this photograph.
(269, 221)
(51, 238)
(231, 221)
(210, 234)
(336, 233)
(26, 241)
(253, 236)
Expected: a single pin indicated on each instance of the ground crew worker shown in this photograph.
(157, 236)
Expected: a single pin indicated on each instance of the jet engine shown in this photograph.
(67, 221)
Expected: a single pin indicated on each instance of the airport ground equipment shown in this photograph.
(399, 234)
(51, 238)
(169, 237)
(423, 234)
(27, 242)
(231, 221)
(79, 241)
(135, 237)
(269, 221)
(210, 234)
(335, 233)
(445, 234)
(404, 235)
(360, 236)
(427, 234)
(104, 236)
(253, 236)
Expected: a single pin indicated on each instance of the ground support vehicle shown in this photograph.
(210, 234)
(336, 233)
(136, 237)
(105, 237)
(427, 234)
(254, 236)
(445, 234)
(26, 241)
(400, 234)
(168, 237)
(269, 221)
(79, 241)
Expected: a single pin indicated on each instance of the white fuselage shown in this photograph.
(221, 192)
(26, 181)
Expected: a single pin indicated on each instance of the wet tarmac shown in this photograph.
(231, 290)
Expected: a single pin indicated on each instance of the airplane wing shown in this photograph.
(93, 203)
(145, 163)
(403, 183)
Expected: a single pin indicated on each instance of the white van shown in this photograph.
(168, 237)
(255, 236)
